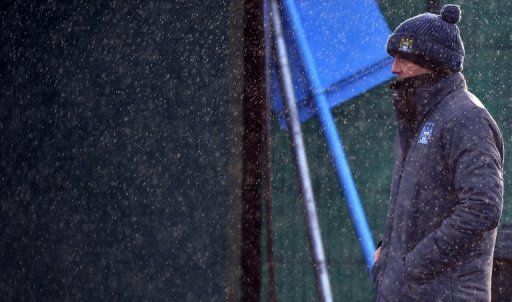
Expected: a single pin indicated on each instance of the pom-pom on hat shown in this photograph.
(431, 41)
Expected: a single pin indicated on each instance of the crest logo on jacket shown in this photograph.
(426, 133)
(406, 44)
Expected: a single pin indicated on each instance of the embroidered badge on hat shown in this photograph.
(426, 133)
(406, 44)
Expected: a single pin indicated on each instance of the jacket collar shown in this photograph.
(428, 98)
(425, 95)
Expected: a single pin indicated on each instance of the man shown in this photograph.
(447, 186)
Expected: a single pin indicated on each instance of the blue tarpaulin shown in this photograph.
(347, 42)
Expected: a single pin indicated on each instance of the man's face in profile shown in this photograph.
(406, 69)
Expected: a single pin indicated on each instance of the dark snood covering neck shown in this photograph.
(404, 99)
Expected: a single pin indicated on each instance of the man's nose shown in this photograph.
(395, 68)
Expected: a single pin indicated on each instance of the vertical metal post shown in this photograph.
(292, 117)
(333, 139)
(254, 120)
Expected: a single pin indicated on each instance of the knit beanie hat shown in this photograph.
(430, 41)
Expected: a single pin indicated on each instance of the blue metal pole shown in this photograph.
(333, 139)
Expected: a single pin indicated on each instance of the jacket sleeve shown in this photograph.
(474, 151)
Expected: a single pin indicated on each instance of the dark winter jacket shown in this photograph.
(446, 197)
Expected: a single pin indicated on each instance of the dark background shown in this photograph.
(113, 152)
